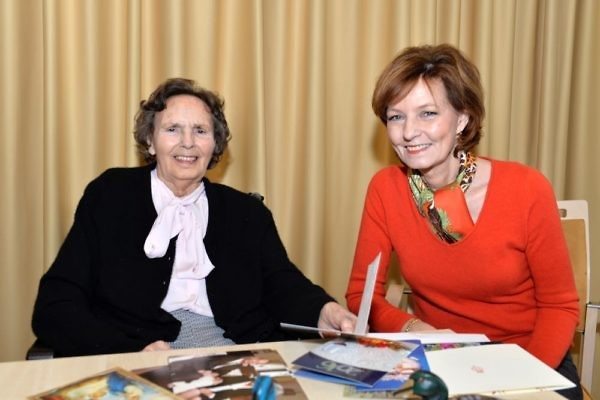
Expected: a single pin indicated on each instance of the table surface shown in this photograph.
(19, 379)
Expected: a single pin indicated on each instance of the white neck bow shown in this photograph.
(183, 216)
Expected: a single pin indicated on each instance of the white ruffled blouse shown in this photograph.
(187, 217)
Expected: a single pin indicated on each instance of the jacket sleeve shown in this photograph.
(254, 286)
(63, 316)
(290, 295)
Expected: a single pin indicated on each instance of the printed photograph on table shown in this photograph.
(361, 361)
(395, 384)
(229, 375)
(114, 384)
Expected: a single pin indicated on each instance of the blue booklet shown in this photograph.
(359, 361)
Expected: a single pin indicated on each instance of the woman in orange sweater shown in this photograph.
(478, 240)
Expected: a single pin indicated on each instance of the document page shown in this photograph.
(493, 369)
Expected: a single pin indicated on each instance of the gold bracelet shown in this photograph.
(410, 324)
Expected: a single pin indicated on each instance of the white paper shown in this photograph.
(362, 323)
(493, 369)
(435, 337)
(304, 328)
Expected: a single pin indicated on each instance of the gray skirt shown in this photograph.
(197, 331)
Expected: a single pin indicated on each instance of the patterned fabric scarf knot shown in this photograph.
(446, 208)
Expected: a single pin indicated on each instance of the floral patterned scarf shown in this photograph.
(446, 208)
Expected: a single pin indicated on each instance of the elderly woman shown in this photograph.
(478, 240)
(159, 257)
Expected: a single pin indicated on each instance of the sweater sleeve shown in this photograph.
(63, 316)
(555, 292)
(373, 238)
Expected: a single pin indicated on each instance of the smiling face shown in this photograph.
(422, 128)
(183, 142)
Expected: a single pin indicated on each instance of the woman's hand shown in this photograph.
(334, 316)
(157, 346)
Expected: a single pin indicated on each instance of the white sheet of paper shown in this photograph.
(362, 323)
(493, 369)
(435, 337)
(304, 328)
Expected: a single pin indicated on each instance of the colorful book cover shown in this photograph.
(359, 361)
(229, 375)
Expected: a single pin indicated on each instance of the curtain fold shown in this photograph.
(297, 78)
(21, 170)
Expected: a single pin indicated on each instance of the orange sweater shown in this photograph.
(510, 278)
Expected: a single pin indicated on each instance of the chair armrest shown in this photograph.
(39, 351)
(394, 294)
(589, 344)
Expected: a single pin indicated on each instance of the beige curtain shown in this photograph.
(297, 78)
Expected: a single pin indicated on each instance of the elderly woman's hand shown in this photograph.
(156, 346)
(334, 316)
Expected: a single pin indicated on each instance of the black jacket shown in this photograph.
(103, 295)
